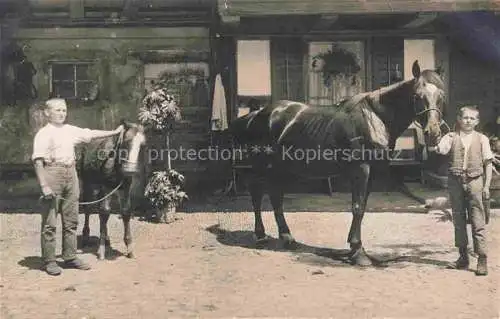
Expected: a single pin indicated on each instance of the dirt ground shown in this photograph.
(205, 265)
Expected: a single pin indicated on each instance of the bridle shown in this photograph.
(418, 114)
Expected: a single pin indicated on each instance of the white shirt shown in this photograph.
(57, 144)
(445, 143)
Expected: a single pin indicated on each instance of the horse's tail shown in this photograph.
(239, 129)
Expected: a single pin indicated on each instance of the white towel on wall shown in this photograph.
(219, 106)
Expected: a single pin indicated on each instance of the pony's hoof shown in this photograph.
(288, 241)
(101, 253)
(131, 255)
(360, 258)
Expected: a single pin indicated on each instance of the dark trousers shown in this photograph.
(467, 198)
(64, 183)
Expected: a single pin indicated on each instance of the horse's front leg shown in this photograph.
(360, 189)
(86, 229)
(276, 194)
(87, 195)
(103, 226)
(256, 191)
(126, 216)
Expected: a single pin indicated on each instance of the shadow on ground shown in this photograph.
(329, 257)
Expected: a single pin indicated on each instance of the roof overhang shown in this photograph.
(246, 8)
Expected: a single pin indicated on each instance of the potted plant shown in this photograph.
(164, 191)
(160, 112)
(334, 62)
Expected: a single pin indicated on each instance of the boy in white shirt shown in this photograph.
(54, 161)
(469, 178)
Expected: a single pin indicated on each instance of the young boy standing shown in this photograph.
(54, 161)
(469, 178)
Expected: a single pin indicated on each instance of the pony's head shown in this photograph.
(429, 100)
(131, 143)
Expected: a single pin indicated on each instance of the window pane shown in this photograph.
(83, 88)
(82, 71)
(64, 89)
(62, 72)
(254, 67)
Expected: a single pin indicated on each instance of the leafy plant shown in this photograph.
(164, 188)
(159, 110)
(336, 61)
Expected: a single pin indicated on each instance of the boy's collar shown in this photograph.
(55, 125)
(465, 133)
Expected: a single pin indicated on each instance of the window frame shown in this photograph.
(75, 80)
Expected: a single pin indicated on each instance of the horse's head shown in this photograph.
(131, 142)
(429, 100)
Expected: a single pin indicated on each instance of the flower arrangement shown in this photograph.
(164, 189)
(336, 61)
(159, 110)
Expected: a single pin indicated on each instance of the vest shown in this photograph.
(474, 157)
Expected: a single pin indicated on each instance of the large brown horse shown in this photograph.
(108, 167)
(291, 140)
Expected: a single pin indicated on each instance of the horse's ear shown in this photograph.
(415, 69)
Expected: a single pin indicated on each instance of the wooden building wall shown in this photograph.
(119, 57)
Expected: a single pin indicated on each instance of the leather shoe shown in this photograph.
(482, 266)
(76, 264)
(53, 269)
(462, 262)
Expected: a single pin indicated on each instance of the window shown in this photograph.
(188, 82)
(253, 68)
(288, 69)
(71, 80)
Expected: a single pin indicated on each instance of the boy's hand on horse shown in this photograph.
(120, 129)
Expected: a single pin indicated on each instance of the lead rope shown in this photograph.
(118, 143)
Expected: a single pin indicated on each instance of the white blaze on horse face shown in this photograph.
(135, 148)
(432, 96)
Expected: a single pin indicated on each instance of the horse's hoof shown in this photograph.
(131, 255)
(108, 243)
(288, 241)
(84, 242)
(261, 241)
(360, 258)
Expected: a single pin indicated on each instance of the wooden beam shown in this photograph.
(422, 18)
(307, 7)
(76, 9)
(325, 21)
(130, 9)
(230, 20)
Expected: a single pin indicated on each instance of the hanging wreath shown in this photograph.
(336, 61)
